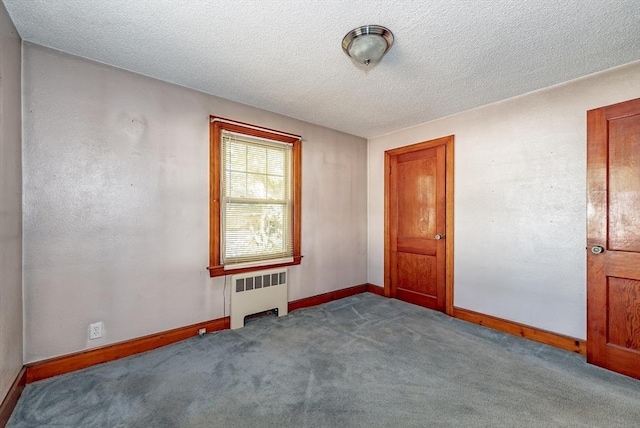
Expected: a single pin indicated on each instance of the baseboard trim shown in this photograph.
(532, 333)
(12, 397)
(327, 297)
(80, 360)
(375, 290)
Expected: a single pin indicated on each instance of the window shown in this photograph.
(255, 198)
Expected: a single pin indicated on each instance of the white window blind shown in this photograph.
(256, 205)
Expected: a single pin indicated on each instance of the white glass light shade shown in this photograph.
(367, 48)
(367, 44)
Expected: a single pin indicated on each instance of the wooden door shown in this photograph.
(613, 237)
(418, 230)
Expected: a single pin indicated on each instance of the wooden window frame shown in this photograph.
(217, 126)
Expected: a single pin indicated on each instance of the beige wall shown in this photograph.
(116, 204)
(10, 204)
(520, 202)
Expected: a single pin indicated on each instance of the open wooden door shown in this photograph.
(419, 224)
(613, 237)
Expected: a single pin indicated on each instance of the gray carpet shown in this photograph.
(363, 361)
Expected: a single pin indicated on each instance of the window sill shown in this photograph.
(219, 270)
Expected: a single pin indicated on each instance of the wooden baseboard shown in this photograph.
(80, 360)
(375, 289)
(522, 330)
(327, 297)
(11, 399)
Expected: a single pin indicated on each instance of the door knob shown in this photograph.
(597, 249)
(438, 236)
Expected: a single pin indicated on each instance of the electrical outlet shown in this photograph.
(95, 330)
(202, 332)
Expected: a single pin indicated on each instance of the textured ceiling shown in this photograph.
(285, 55)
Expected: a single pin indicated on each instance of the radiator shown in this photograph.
(256, 292)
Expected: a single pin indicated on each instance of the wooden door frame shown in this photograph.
(448, 143)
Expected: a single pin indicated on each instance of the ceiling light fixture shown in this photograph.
(368, 43)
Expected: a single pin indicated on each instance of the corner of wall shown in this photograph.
(24, 312)
(368, 208)
(11, 193)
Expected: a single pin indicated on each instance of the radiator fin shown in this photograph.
(260, 281)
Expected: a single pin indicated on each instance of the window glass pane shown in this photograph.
(255, 229)
(236, 156)
(236, 184)
(275, 187)
(256, 186)
(276, 162)
(257, 159)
